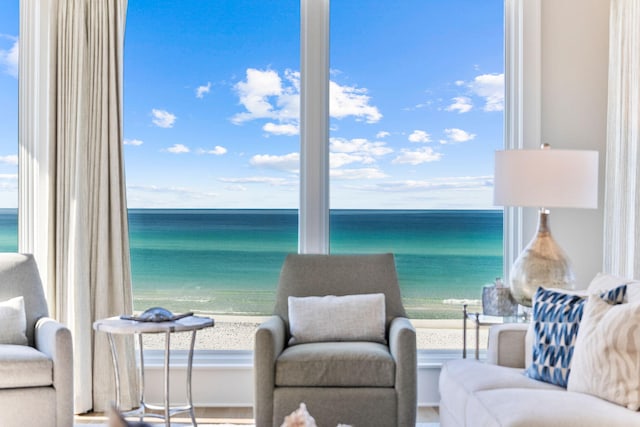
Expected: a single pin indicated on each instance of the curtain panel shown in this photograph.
(622, 197)
(72, 207)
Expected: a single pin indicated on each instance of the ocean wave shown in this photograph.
(461, 301)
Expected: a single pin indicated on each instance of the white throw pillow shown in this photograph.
(606, 359)
(604, 282)
(13, 322)
(337, 318)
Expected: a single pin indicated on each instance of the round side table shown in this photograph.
(117, 326)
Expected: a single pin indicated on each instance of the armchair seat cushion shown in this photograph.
(24, 366)
(336, 364)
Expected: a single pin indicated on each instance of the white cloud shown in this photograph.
(257, 180)
(463, 183)
(217, 151)
(457, 135)
(178, 149)
(288, 162)
(180, 191)
(358, 150)
(8, 183)
(135, 142)
(347, 101)
(235, 188)
(201, 90)
(416, 157)
(255, 93)
(361, 173)
(491, 88)
(459, 82)
(337, 160)
(359, 145)
(11, 159)
(419, 136)
(9, 58)
(382, 134)
(264, 94)
(281, 129)
(461, 104)
(163, 118)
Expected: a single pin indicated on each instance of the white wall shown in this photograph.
(574, 57)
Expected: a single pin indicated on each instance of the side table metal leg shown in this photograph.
(116, 369)
(141, 367)
(189, 370)
(464, 331)
(477, 336)
(167, 346)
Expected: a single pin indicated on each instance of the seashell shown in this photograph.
(156, 314)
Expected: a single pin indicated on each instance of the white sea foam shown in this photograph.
(457, 301)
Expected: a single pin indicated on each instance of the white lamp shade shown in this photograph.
(546, 178)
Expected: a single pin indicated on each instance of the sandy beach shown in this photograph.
(237, 333)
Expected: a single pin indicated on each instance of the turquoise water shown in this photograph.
(8, 230)
(228, 261)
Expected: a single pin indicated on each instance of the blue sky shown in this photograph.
(212, 94)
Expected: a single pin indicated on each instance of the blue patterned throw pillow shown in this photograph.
(556, 319)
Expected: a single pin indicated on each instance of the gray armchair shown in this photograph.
(358, 383)
(36, 380)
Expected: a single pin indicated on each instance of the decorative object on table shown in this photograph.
(156, 314)
(498, 301)
(544, 178)
(301, 418)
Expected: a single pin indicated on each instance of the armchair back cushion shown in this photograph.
(331, 318)
(19, 277)
(318, 275)
(14, 322)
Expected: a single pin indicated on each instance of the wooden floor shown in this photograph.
(236, 416)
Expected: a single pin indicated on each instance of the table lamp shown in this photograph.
(544, 178)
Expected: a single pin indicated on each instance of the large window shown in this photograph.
(424, 83)
(9, 19)
(212, 149)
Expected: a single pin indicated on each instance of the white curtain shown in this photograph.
(73, 213)
(622, 192)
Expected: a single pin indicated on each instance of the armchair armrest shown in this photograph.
(507, 345)
(269, 343)
(54, 339)
(402, 345)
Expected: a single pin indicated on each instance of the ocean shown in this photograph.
(223, 261)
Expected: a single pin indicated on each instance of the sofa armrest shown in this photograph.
(507, 345)
(269, 343)
(54, 339)
(402, 345)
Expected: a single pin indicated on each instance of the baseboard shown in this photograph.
(225, 378)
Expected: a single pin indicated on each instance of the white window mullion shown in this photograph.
(522, 121)
(313, 234)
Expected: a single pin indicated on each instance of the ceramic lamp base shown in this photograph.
(541, 264)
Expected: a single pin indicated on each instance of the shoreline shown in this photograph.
(235, 332)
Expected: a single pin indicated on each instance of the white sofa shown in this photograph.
(497, 393)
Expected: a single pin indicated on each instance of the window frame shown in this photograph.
(522, 123)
